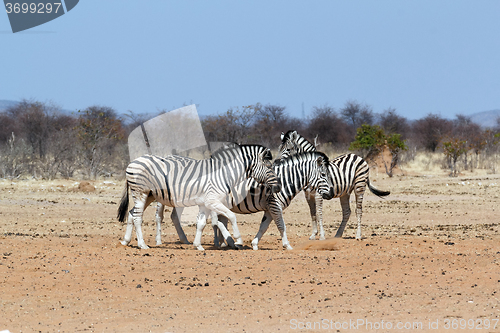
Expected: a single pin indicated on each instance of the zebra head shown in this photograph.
(293, 143)
(261, 169)
(321, 179)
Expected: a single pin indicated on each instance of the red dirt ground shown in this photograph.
(429, 261)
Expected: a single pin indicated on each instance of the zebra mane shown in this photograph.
(298, 140)
(302, 156)
(287, 136)
(233, 146)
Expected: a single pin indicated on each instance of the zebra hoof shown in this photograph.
(230, 242)
(288, 247)
(313, 237)
(255, 247)
(238, 247)
(143, 246)
(185, 241)
(322, 238)
(124, 243)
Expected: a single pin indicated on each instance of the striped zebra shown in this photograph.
(307, 170)
(349, 173)
(178, 181)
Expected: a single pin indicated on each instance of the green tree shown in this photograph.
(372, 140)
(395, 146)
(369, 141)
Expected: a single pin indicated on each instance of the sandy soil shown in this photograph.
(429, 261)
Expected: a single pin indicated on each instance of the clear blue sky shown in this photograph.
(419, 57)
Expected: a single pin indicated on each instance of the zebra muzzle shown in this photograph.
(276, 188)
(328, 195)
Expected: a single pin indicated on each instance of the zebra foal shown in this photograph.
(178, 181)
(349, 173)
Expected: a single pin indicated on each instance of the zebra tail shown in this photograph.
(122, 210)
(377, 192)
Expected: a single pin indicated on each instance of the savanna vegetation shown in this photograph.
(39, 140)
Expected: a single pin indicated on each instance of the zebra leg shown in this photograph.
(359, 212)
(346, 213)
(130, 228)
(215, 227)
(141, 203)
(274, 213)
(158, 219)
(175, 216)
(277, 215)
(319, 215)
(201, 222)
(264, 224)
(311, 201)
(219, 208)
(218, 238)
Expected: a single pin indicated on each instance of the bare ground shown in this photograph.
(429, 261)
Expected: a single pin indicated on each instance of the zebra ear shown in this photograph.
(282, 136)
(267, 154)
(320, 160)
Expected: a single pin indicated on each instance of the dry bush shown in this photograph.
(14, 157)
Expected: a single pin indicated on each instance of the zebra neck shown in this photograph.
(292, 177)
(234, 171)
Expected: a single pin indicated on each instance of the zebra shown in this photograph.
(307, 170)
(178, 181)
(349, 173)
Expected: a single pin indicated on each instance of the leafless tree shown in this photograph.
(392, 123)
(328, 126)
(34, 122)
(357, 114)
(14, 157)
(430, 130)
(98, 131)
(473, 136)
(232, 126)
(271, 120)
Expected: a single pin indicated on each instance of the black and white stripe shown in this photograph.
(178, 181)
(305, 171)
(349, 173)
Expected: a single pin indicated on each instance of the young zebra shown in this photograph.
(178, 181)
(349, 173)
(298, 172)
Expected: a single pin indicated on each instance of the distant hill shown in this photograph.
(486, 118)
(5, 104)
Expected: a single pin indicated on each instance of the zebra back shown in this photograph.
(178, 181)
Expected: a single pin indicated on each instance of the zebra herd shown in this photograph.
(243, 179)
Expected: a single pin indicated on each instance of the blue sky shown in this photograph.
(419, 57)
